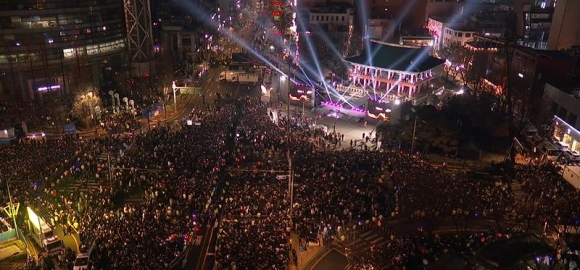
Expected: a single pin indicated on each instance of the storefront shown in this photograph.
(566, 133)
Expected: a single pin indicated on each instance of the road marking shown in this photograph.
(197, 240)
(205, 250)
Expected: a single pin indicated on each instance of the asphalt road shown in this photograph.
(201, 255)
(333, 260)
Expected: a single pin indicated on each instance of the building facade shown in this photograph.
(50, 46)
(564, 104)
(533, 22)
(564, 31)
(339, 19)
(530, 69)
(492, 20)
(181, 42)
(480, 51)
(394, 72)
(457, 35)
(449, 30)
(443, 8)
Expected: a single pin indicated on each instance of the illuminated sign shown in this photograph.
(378, 109)
(381, 116)
(47, 88)
(300, 98)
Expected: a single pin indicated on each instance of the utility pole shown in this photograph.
(288, 94)
(303, 101)
(110, 168)
(290, 184)
(174, 88)
(414, 133)
(13, 210)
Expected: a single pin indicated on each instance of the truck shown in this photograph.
(239, 76)
(572, 175)
(43, 234)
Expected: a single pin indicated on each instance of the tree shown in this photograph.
(432, 129)
(390, 133)
(458, 58)
(435, 129)
(84, 106)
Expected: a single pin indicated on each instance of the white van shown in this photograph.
(550, 151)
(82, 262)
(562, 145)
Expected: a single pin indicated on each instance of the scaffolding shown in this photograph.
(139, 32)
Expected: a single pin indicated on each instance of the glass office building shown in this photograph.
(56, 46)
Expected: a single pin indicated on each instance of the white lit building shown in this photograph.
(447, 31)
(332, 19)
(565, 105)
(392, 71)
(457, 35)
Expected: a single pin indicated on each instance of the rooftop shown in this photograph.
(396, 57)
(242, 58)
(480, 44)
(335, 8)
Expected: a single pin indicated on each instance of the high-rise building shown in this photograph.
(56, 46)
(565, 30)
(533, 22)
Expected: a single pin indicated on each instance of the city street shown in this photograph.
(214, 135)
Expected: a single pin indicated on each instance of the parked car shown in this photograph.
(562, 145)
(82, 262)
(571, 156)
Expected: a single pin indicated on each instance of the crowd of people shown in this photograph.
(169, 165)
(235, 169)
(335, 189)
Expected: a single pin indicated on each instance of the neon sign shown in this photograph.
(47, 88)
(300, 98)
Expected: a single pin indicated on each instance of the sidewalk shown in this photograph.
(304, 257)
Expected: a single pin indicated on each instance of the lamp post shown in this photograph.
(290, 184)
(12, 208)
(414, 132)
(303, 101)
(174, 88)
(283, 78)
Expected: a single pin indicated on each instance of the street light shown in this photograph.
(174, 88)
(290, 184)
(12, 210)
(414, 132)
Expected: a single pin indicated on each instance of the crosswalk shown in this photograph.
(83, 186)
(360, 244)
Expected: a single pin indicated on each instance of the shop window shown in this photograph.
(567, 139)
